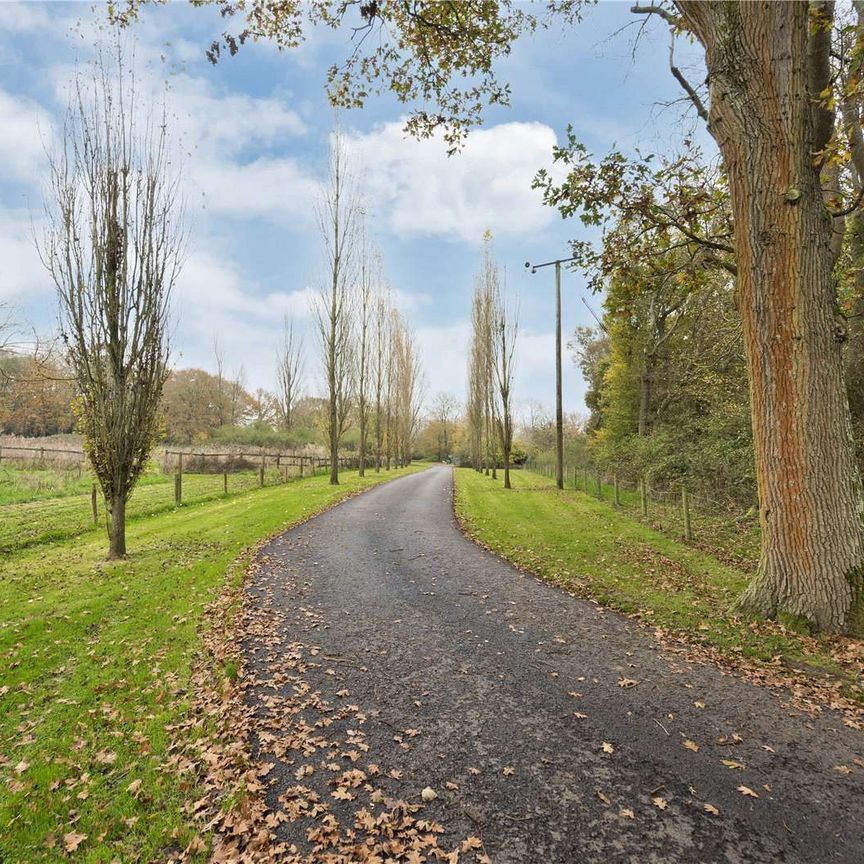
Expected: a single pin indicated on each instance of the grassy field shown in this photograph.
(36, 516)
(598, 552)
(94, 659)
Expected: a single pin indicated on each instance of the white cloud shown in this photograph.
(22, 276)
(417, 189)
(214, 299)
(443, 352)
(24, 126)
(23, 17)
(276, 189)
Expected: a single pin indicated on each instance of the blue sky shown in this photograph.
(255, 129)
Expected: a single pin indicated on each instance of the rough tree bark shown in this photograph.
(763, 66)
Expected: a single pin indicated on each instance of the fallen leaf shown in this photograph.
(660, 803)
(580, 716)
(710, 808)
(21, 767)
(731, 763)
(428, 794)
(134, 787)
(603, 797)
(746, 790)
(627, 682)
(472, 843)
(691, 745)
(72, 841)
(106, 757)
(842, 769)
(607, 747)
(627, 813)
(508, 771)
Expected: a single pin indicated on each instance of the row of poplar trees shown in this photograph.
(494, 328)
(369, 354)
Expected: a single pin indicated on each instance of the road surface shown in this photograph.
(548, 729)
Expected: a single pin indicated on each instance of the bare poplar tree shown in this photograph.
(476, 385)
(506, 331)
(113, 248)
(407, 390)
(289, 371)
(339, 222)
(391, 428)
(444, 409)
(381, 369)
(488, 381)
(237, 395)
(219, 357)
(370, 269)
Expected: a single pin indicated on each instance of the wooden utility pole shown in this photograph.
(559, 410)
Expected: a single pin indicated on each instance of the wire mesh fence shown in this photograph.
(724, 528)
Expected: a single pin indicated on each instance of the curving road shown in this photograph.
(510, 688)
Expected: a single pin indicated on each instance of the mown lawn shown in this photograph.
(598, 552)
(94, 659)
(39, 519)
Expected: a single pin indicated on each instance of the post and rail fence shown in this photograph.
(253, 468)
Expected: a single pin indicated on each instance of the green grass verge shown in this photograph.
(592, 549)
(94, 659)
(731, 536)
(44, 520)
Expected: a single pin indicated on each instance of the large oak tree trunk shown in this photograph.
(762, 118)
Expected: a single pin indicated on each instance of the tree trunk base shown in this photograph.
(839, 611)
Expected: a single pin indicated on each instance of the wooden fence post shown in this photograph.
(93, 504)
(224, 482)
(643, 494)
(685, 506)
(261, 477)
(178, 482)
(616, 491)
